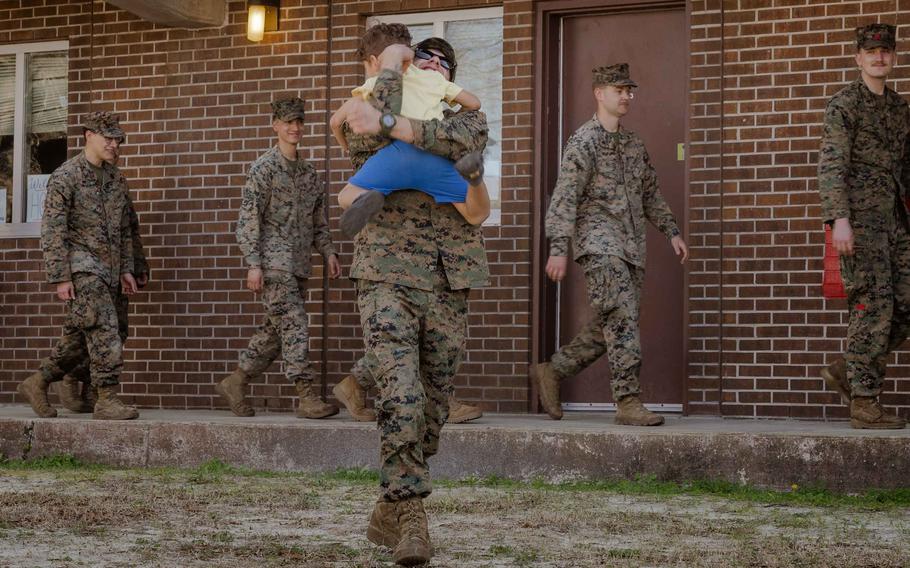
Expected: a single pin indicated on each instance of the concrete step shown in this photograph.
(763, 453)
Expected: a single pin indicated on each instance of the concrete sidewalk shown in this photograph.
(769, 453)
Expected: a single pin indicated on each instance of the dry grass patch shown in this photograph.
(55, 511)
(216, 516)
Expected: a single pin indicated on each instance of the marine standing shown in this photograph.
(863, 179)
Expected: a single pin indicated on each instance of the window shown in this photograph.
(476, 36)
(33, 115)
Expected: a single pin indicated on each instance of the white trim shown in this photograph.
(17, 48)
(19, 140)
(437, 18)
(559, 121)
(19, 230)
(495, 218)
(611, 407)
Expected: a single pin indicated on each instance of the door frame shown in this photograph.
(549, 14)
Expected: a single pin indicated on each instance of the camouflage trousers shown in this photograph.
(93, 333)
(285, 330)
(364, 371)
(71, 355)
(877, 281)
(416, 339)
(614, 287)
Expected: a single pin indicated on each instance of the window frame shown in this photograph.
(17, 228)
(439, 18)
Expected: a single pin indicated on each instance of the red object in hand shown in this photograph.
(832, 285)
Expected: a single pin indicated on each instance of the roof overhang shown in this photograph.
(178, 13)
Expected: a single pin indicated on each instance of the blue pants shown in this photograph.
(403, 166)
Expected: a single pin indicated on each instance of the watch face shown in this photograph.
(388, 120)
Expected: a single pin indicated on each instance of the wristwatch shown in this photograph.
(386, 123)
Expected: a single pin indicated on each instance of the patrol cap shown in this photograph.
(616, 75)
(104, 123)
(289, 109)
(876, 35)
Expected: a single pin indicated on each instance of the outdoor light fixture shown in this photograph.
(262, 16)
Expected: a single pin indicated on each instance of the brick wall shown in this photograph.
(760, 330)
(195, 107)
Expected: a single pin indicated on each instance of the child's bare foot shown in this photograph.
(471, 167)
(358, 214)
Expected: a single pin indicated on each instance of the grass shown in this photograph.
(521, 558)
(219, 516)
(625, 553)
(267, 548)
(214, 470)
(52, 463)
(650, 485)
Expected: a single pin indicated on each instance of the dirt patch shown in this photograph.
(136, 518)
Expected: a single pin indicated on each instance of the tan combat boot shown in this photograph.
(414, 539)
(72, 395)
(89, 395)
(34, 389)
(233, 390)
(110, 407)
(548, 389)
(867, 412)
(835, 376)
(631, 412)
(383, 527)
(311, 406)
(354, 398)
(460, 412)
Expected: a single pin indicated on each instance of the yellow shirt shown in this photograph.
(422, 93)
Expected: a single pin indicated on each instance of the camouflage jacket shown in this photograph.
(86, 227)
(403, 243)
(606, 189)
(864, 146)
(140, 264)
(282, 216)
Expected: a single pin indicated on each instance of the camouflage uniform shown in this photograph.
(86, 238)
(605, 191)
(282, 218)
(864, 176)
(364, 370)
(71, 353)
(414, 264)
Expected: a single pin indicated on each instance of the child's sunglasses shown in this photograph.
(426, 55)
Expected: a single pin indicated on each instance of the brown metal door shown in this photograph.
(654, 44)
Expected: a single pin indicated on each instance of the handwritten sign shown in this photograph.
(37, 191)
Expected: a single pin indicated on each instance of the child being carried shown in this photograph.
(400, 165)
